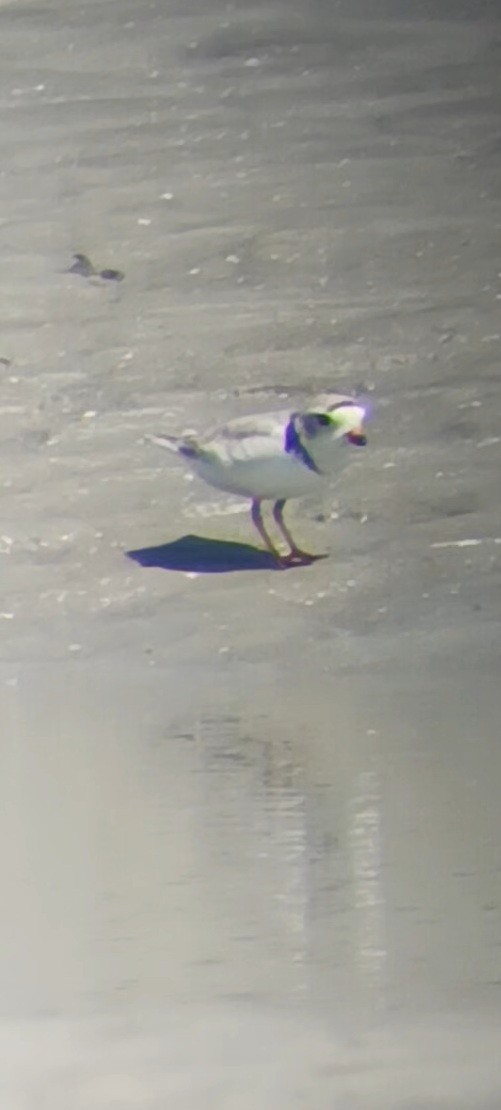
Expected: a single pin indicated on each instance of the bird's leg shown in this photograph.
(257, 521)
(295, 554)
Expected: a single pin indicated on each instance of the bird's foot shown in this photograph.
(298, 558)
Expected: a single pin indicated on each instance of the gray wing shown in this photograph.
(255, 437)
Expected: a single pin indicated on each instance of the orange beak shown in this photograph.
(357, 437)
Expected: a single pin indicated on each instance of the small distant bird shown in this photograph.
(275, 456)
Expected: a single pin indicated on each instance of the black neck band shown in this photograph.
(293, 445)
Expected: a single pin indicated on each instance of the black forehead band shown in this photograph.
(342, 405)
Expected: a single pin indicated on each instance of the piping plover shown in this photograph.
(274, 456)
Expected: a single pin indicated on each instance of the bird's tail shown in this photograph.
(180, 445)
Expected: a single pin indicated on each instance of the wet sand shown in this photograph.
(250, 818)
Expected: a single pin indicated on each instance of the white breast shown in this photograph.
(280, 477)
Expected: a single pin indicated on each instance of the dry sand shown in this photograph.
(251, 821)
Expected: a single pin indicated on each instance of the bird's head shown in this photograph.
(334, 417)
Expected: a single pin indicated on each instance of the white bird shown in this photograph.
(274, 456)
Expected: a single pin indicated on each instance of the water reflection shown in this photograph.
(158, 845)
(255, 816)
(148, 861)
(365, 838)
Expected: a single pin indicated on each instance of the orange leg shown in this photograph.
(296, 555)
(257, 521)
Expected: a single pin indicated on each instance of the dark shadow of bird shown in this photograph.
(202, 555)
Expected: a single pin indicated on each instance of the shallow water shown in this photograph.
(209, 900)
(251, 818)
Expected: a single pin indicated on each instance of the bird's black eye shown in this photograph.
(322, 419)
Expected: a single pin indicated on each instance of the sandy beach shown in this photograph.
(251, 822)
